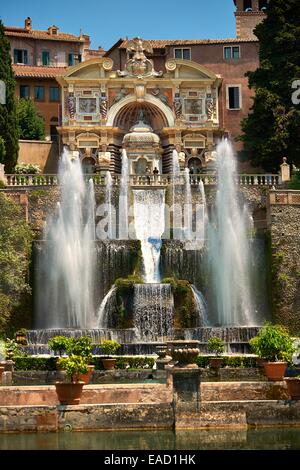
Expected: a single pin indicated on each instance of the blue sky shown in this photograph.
(107, 21)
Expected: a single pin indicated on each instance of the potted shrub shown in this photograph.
(59, 344)
(69, 393)
(274, 345)
(216, 346)
(83, 346)
(109, 347)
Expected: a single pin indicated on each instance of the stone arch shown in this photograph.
(164, 110)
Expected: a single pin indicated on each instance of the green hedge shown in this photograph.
(123, 362)
(229, 361)
(35, 363)
(49, 363)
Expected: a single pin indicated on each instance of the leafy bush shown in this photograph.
(81, 346)
(216, 345)
(15, 248)
(273, 343)
(73, 365)
(229, 361)
(27, 169)
(109, 347)
(59, 344)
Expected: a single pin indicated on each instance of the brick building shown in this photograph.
(38, 57)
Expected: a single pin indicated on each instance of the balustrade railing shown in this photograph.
(270, 180)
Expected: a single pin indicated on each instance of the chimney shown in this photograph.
(28, 24)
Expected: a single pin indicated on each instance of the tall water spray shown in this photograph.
(149, 223)
(109, 206)
(123, 199)
(188, 207)
(176, 207)
(230, 246)
(65, 283)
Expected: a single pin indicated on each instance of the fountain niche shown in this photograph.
(159, 273)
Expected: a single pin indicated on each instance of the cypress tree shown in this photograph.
(272, 129)
(8, 114)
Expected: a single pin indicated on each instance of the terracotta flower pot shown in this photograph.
(293, 385)
(69, 393)
(275, 370)
(109, 363)
(86, 377)
(215, 362)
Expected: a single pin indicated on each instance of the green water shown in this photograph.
(262, 439)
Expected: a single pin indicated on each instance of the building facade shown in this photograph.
(38, 57)
(149, 97)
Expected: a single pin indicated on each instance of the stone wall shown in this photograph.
(283, 219)
(39, 152)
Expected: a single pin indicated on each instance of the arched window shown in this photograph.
(195, 165)
(88, 165)
(262, 4)
(247, 5)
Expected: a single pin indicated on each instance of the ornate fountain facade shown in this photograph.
(179, 104)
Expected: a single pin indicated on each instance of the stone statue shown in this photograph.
(71, 106)
(120, 95)
(177, 104)
(138, 65)
(160, 95)
(210, 108)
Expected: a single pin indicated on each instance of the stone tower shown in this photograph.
(249, 13)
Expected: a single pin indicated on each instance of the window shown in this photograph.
(24, 91)
(20, 56)
(46, 58)
(39, 93)
(247, 5)
(232, 52)
(182, 53)
(233, 98)
(262, 4)
(74, 59)
(54, 93)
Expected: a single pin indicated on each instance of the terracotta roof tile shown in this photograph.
(41, 34)
(38, 72)
(161, 43)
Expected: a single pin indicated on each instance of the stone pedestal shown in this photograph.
(186, 389)
(8, 365)
(285, 172)
(6, 378)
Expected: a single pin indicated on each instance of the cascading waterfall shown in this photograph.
(65, 281)
(123, 199)
(201, 306)
(230, 247)
(109, 207)
(201, 232)
(149, 223)
(153, 311)
(107, 305)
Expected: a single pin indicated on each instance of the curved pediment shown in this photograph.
(90, 69)
(187, 69)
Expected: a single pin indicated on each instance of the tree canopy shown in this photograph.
(272, 129)
(15, 245)
(31, 124)
(8, 113)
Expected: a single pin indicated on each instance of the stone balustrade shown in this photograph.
(164, 180)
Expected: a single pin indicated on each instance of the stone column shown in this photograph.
(285, 173)
(186, 389)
